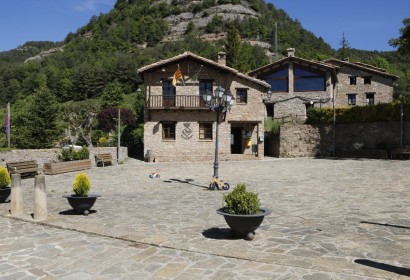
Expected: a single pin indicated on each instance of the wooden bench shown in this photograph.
(103, 159)
(24, 168)
(400, 153)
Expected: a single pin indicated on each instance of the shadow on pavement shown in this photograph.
(383, 266)
(72, 212)
(186, 181)
(386, 225)
(219, 233)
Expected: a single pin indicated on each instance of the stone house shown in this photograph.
(298, 84)
(360, 84)
(178, 125)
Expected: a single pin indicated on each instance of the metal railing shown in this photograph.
(176, 101)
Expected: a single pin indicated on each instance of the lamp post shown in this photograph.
(219, 101)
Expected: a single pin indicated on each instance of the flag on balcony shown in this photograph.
(178, 76)
(194, 77)
(7, 124)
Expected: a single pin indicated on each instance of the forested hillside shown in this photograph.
(95, 68)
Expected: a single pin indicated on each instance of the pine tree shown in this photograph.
(36, 121)
(344, 52)
(233, 48)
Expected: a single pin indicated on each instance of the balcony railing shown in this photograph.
(176, 101)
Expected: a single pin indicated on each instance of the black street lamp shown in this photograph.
(219, 101)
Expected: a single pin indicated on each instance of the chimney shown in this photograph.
(291, 52)
(222, 58)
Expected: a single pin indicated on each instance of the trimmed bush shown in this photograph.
(375, 113)
(4, 177)
(241, 202)
(81, 184)
(71, 154)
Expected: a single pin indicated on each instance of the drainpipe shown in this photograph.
(401, 123)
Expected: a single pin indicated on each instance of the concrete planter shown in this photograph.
(82, 204)
(52, 168)
(244, 225)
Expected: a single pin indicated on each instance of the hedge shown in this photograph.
(376, 113)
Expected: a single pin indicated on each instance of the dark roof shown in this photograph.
(301, 61)
(202, 60)
(361, 66)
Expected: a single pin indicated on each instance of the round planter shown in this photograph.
(82, 204)
(244, 225)
(4, 194)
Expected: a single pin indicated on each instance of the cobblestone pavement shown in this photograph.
(331, 219)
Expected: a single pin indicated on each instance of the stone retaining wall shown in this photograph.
(299, 140)
(51, 155)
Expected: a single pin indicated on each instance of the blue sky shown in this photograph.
(367, 24)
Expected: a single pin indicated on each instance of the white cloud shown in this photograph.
(91, 5)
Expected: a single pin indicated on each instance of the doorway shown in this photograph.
(236, 140)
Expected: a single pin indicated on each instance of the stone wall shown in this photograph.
(382, 87)
(51, 155)
(299, 140)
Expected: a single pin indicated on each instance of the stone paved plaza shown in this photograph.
(331, 219)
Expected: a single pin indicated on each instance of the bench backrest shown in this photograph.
(103, 156)
(22, 164)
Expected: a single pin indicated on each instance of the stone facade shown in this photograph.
(381, 84)
(241, 127)
(344, 83)
(298, 140)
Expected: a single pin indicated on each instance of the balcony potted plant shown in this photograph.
(243, 212)
(81, 201)
(5, 190)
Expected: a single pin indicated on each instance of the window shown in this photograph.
(168, 131)
(308, 80)
(205, 131)
(168, 93)
(370, 98)
(353, 80)
(367, 80)
(278, 80)
(204, 86)
(167, 88)
(351, 99)
(241, 96)
(270, 110)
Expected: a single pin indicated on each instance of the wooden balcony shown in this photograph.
(176, 102)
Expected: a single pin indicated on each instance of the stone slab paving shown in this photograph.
(325, 215)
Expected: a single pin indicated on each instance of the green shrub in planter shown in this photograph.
(81, 184)
(4, 177)
(71, 154)
(241, 202)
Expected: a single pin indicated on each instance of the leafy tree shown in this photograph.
(113, 95)
(78, 120)
(108, 118)
(381, 62)
(403, 42)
